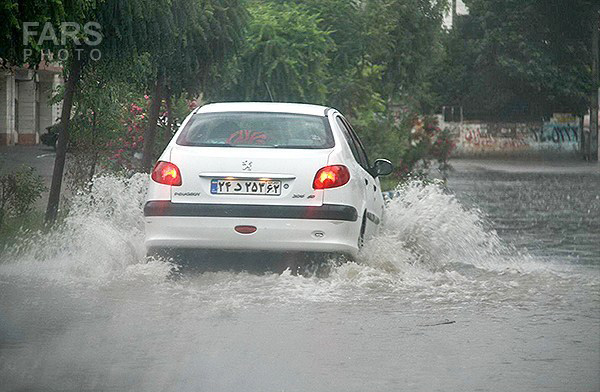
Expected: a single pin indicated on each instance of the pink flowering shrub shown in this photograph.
(409, 140)
(426, 142)
(125, 150)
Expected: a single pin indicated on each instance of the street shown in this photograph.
(491, 285)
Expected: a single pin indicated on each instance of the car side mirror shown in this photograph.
(382, 167)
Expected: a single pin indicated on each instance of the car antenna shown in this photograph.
(269, 91)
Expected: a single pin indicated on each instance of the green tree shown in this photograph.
(349, 75)
(181, 37)
(185, 40)
(284, 57)
(13, 39)
(19, 189)
(413, 34)
(105, 94)
(14, 42)
(519, 59)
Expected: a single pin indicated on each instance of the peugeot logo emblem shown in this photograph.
(247, 165)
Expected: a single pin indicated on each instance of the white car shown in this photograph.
(264, 176)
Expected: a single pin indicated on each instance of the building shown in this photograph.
(25, 109)
(457, 8)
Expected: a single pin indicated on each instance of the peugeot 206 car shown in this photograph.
(265, 177)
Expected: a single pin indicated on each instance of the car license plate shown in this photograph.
(245, 187)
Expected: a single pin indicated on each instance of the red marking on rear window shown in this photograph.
(247, 137)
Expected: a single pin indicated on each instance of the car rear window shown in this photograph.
(263, 130)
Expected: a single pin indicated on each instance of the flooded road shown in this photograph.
(491, 285)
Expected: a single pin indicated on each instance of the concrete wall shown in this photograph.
(27, 110)
(561, 135)
(45, 111)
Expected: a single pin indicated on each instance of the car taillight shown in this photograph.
(166, 173)
(331, 177)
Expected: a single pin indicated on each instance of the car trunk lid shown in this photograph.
(286, 175)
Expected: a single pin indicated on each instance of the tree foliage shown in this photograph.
(365, 57)
(184, 40)
(519, 59)
(284, 57)
(350, 54)
(13, 14)
(413, 31)
(19, 189)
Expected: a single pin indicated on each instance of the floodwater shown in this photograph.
(490, 285)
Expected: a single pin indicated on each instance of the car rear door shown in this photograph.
(373, 189)
(362, 167)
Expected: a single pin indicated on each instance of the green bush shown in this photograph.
(18, 192)
(409, 141)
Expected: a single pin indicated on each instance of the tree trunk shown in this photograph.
(453, 23)
(63, 140)
(94, 152)
(168, 103)
(592, 150)
(150, 133)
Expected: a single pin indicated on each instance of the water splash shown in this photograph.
(100, 240)
(429, 240)
(427, 227)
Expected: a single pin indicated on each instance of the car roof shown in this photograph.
(261, 107)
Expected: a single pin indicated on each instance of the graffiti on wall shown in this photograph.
(556, 133)
(561, 134)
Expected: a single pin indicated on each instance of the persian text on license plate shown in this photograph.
(245, 187)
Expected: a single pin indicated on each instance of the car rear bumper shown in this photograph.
(328, 228)
(325, 211)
